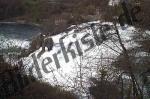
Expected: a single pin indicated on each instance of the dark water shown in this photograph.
(19, 31)
(16, 35)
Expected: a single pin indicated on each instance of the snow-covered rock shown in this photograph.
(73, 70)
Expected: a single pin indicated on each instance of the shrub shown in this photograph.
(14, 84)
(40, 90)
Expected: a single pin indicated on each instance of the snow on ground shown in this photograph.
(113, 2)
(69, 74)
(11, 47)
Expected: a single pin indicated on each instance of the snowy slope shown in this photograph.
(84, 66)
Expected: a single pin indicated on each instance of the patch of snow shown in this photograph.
(70, 73)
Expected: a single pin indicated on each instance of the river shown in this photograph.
(14, 34)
